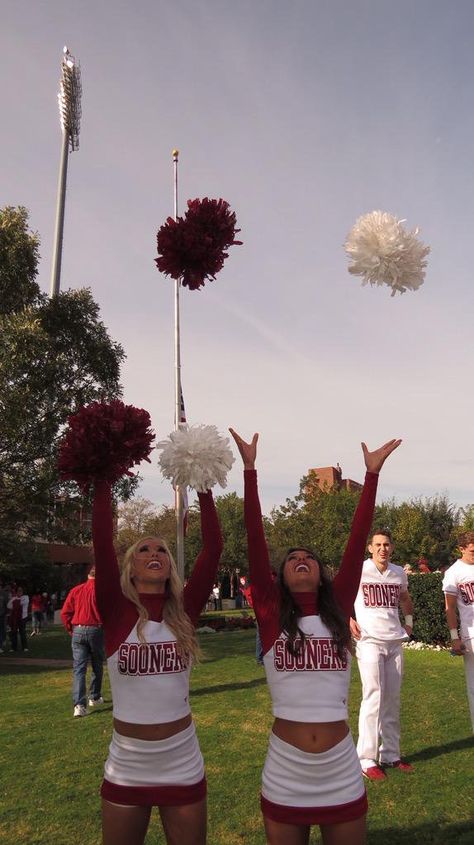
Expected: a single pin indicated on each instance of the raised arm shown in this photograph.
(346, 582)
(260, 575)
(203, 576)
(108, 592)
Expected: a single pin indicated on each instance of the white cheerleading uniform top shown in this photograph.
(149, 673)
(311, 686)
(459, 581)
(377, 602)
(149, 680)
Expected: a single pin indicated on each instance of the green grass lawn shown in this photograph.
(51, 764)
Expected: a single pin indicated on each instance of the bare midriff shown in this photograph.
(152, 732)
(311, 736)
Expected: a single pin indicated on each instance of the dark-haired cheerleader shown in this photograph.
(312, 774)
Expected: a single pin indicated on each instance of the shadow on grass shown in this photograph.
(257, 682)
(435, 833)
(23, 669)
(440, 750)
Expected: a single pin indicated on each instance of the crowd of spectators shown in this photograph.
(17, 610)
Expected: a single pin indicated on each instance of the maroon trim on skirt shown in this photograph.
(154, 796)
(315, 815)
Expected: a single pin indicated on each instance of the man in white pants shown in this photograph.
(458, 587)
(379, 634)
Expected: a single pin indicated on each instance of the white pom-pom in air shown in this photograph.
(383, 252)
(196, 456)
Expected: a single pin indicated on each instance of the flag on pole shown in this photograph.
(184, 490)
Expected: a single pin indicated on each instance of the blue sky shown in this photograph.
(304, 116)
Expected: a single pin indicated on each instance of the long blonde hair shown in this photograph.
(174, 613)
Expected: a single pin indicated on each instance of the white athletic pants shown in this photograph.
(381, 669)
(469, 670)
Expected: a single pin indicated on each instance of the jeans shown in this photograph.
(87, 644)
(37, 619)
(21, 630)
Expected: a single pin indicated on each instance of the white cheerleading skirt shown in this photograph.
(165, 772)
(303, 788)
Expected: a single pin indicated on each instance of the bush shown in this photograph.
(429, 616)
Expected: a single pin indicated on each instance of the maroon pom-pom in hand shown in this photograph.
(193, 248)
(103, 441)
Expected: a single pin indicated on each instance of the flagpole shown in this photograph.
(177, 412)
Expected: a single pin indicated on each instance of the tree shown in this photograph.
(140, 518)
(421, 527)
(55, 355)
(18, 261)
(466, 518)
(318, 519)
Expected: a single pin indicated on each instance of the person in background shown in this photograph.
(18, 607)
(81, 619)
(216, 593)
(423, 566)
(379, 634)
(458, 587)
(37, 611)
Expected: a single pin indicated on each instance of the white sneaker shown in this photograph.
(80, 710)
(93, 702)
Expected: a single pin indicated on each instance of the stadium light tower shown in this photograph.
(69, 98)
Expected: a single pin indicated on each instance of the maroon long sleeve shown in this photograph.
(265, 591)
(346, 582)
(110, 598)
(119, 615)
(203, 576)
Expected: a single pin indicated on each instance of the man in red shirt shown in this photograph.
(81, 619)
(37, 611)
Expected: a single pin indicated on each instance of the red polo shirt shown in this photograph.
(80, 607)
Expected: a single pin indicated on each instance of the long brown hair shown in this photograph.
(329, 609)
(174, 613)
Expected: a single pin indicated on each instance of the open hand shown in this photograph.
(355, 629)
(248, 451)
(374, 461)
(457, 647)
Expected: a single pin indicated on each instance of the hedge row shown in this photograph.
(227, 623)
(429, 616)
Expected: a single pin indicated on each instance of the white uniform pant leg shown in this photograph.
(371, 659)
(390, 704)
(469, 670)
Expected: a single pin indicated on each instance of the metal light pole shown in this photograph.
(179, 409)
(69, 98)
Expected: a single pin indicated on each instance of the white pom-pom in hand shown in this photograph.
(197, 457)
(384, 253)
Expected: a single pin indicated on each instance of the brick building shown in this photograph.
(328, 478)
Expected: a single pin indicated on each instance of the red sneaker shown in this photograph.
(374, 773)
(401, 765)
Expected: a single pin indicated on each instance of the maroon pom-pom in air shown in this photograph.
(103, 441)
(193, 248)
